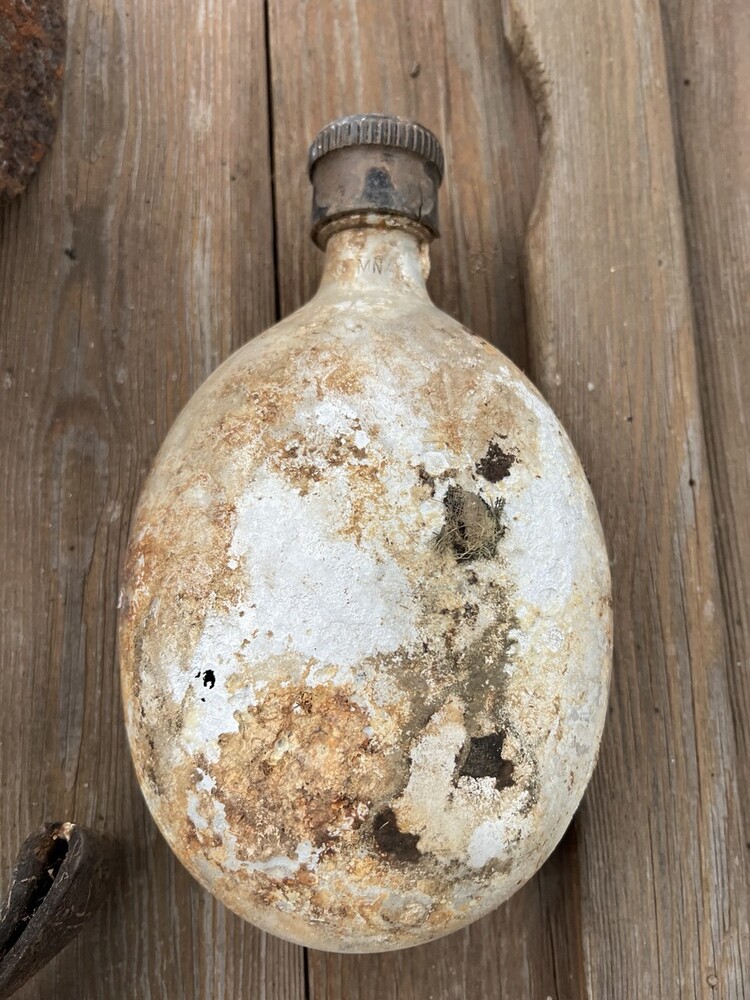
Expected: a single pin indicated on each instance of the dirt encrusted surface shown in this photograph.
(334, 710)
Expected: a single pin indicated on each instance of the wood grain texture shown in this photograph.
(711, 116)
(662, 855)
(139, 258)
(170, 224)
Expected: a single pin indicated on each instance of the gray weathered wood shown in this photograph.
(140, 256)
(144, 252)
(708, 50)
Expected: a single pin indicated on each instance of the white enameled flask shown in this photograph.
(365, 629)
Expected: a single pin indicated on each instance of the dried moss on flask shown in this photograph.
(472, 527)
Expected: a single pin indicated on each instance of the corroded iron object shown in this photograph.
(375, 163)
(32, 59)
(382, 131)
(61, 876)
(365, 619)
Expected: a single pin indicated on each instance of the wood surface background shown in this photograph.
(596, 227)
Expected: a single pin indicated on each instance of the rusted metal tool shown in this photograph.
(32, 57)
(62, 874)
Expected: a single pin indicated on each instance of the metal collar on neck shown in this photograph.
(378, 164)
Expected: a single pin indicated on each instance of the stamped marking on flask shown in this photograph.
(372, 265)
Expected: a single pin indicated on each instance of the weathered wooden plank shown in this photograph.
(447, 66)
(662, 859)
(158, 190)
(708, 49)
(139, 257)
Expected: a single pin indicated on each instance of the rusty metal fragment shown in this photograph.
(32, 57)
(62, 874)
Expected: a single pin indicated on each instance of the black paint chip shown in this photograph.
(391, 840)
(496, 463)
(484, 759)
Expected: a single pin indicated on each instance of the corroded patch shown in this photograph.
(495, 464)
(482, 757)
(297, 770)
(32, 62)
(390, 840)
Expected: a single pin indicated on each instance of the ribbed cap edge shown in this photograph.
(377, 130)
